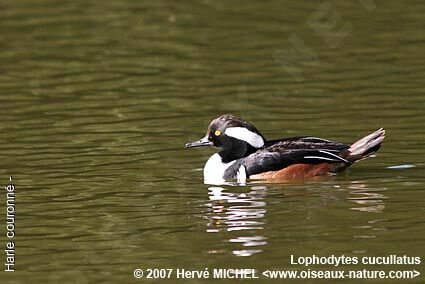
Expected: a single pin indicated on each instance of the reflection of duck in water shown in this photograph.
(239, 214)
(245, 153)
(236, 211)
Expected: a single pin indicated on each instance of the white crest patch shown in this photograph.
(246, 135)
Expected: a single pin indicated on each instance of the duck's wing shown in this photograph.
(265, 161)
(280, 155)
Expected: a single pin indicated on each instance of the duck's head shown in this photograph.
(235, 137)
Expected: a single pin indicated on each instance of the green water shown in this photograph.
(99, 98)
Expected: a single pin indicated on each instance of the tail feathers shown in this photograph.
(366, 146)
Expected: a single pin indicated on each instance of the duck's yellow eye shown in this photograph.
(217, 133)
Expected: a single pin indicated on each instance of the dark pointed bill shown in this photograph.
(201, 142)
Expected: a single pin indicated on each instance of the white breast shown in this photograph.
(214, 169)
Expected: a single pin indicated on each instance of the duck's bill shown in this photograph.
(201, 142)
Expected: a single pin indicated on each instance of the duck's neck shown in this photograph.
(238, 150)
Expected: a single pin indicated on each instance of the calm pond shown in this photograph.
(98, 100)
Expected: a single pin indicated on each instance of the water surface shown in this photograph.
(98, 100)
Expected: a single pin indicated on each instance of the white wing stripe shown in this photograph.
(331, 154)
(320, 158)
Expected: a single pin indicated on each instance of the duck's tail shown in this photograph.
(366, 146)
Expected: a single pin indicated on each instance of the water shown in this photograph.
(98, 100)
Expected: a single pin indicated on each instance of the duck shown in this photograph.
(244, 153)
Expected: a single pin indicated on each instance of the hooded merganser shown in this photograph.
(245, 153)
